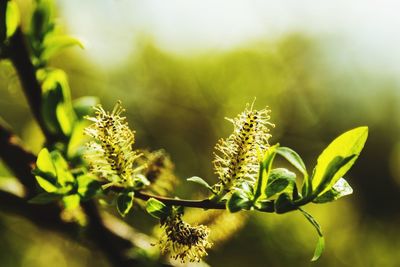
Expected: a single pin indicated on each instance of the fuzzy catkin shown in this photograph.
(111, 156)
(237, 157)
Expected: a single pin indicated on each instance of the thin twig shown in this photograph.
(202, 204)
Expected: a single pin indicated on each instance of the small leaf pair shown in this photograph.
(54, 177)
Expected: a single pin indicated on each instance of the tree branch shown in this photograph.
(202, 204)
(20, 161)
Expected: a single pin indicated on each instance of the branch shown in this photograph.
(20, 161)
(202, 204)
(19, 54)
(45, 216)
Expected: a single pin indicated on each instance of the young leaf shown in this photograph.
(265, 167)
(45, 164)
(46, 184)
(83, 106)
(44, 198)
(77, 139)
(64, 176)
(279, 179)
(57, 97)
(157, 209)
(333, 168)
(42, 17)
(346, 145)
(140, 181)
(55, 43)
(238, 201)
(88, 186)
(71, 201)
(294, 158)
(319, 249)
(340, 189)
(125, 202)
(200, 181)
(12, 18)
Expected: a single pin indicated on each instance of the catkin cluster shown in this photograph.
(111, 156)
(237, 157)
(182, 240)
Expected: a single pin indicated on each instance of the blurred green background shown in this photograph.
(178, 90)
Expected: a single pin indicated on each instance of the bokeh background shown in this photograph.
(180, 67)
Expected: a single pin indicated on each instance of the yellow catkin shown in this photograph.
(237, 157)
(111, 156)
(159, 172)
(183, 241)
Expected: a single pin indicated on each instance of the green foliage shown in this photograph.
(45, 39)
(321, 240)
(280, 179)
(55, 177)
(9, 21)
(12, 18)
(88, 186)
(125, 202)
(54, 44)
(340, 189)
(264, 172)
(56, 97)
(337, 159)
(241, 199)
(200, 181)
(157, 209)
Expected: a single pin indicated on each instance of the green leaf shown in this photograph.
(41, 22)
(346, 146)
(65, 117)
(294, 158)
(44, 198)
(47, 185)
(83, 106)
(88, 186)
(57, 109)
(56, 43)
(71, 201)
(77, 140)
(265, 167)
(331, 171)
(279, 179)
(125, 202)
(12, 18)
(157, 209)
(140, 181)
(238, 201)
(64, 176)
(200, 181)
(340, 189)
(319, 249)
(45, 164)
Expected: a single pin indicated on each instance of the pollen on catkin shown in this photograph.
(183, 241)
(111, 156)
(237, 157)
